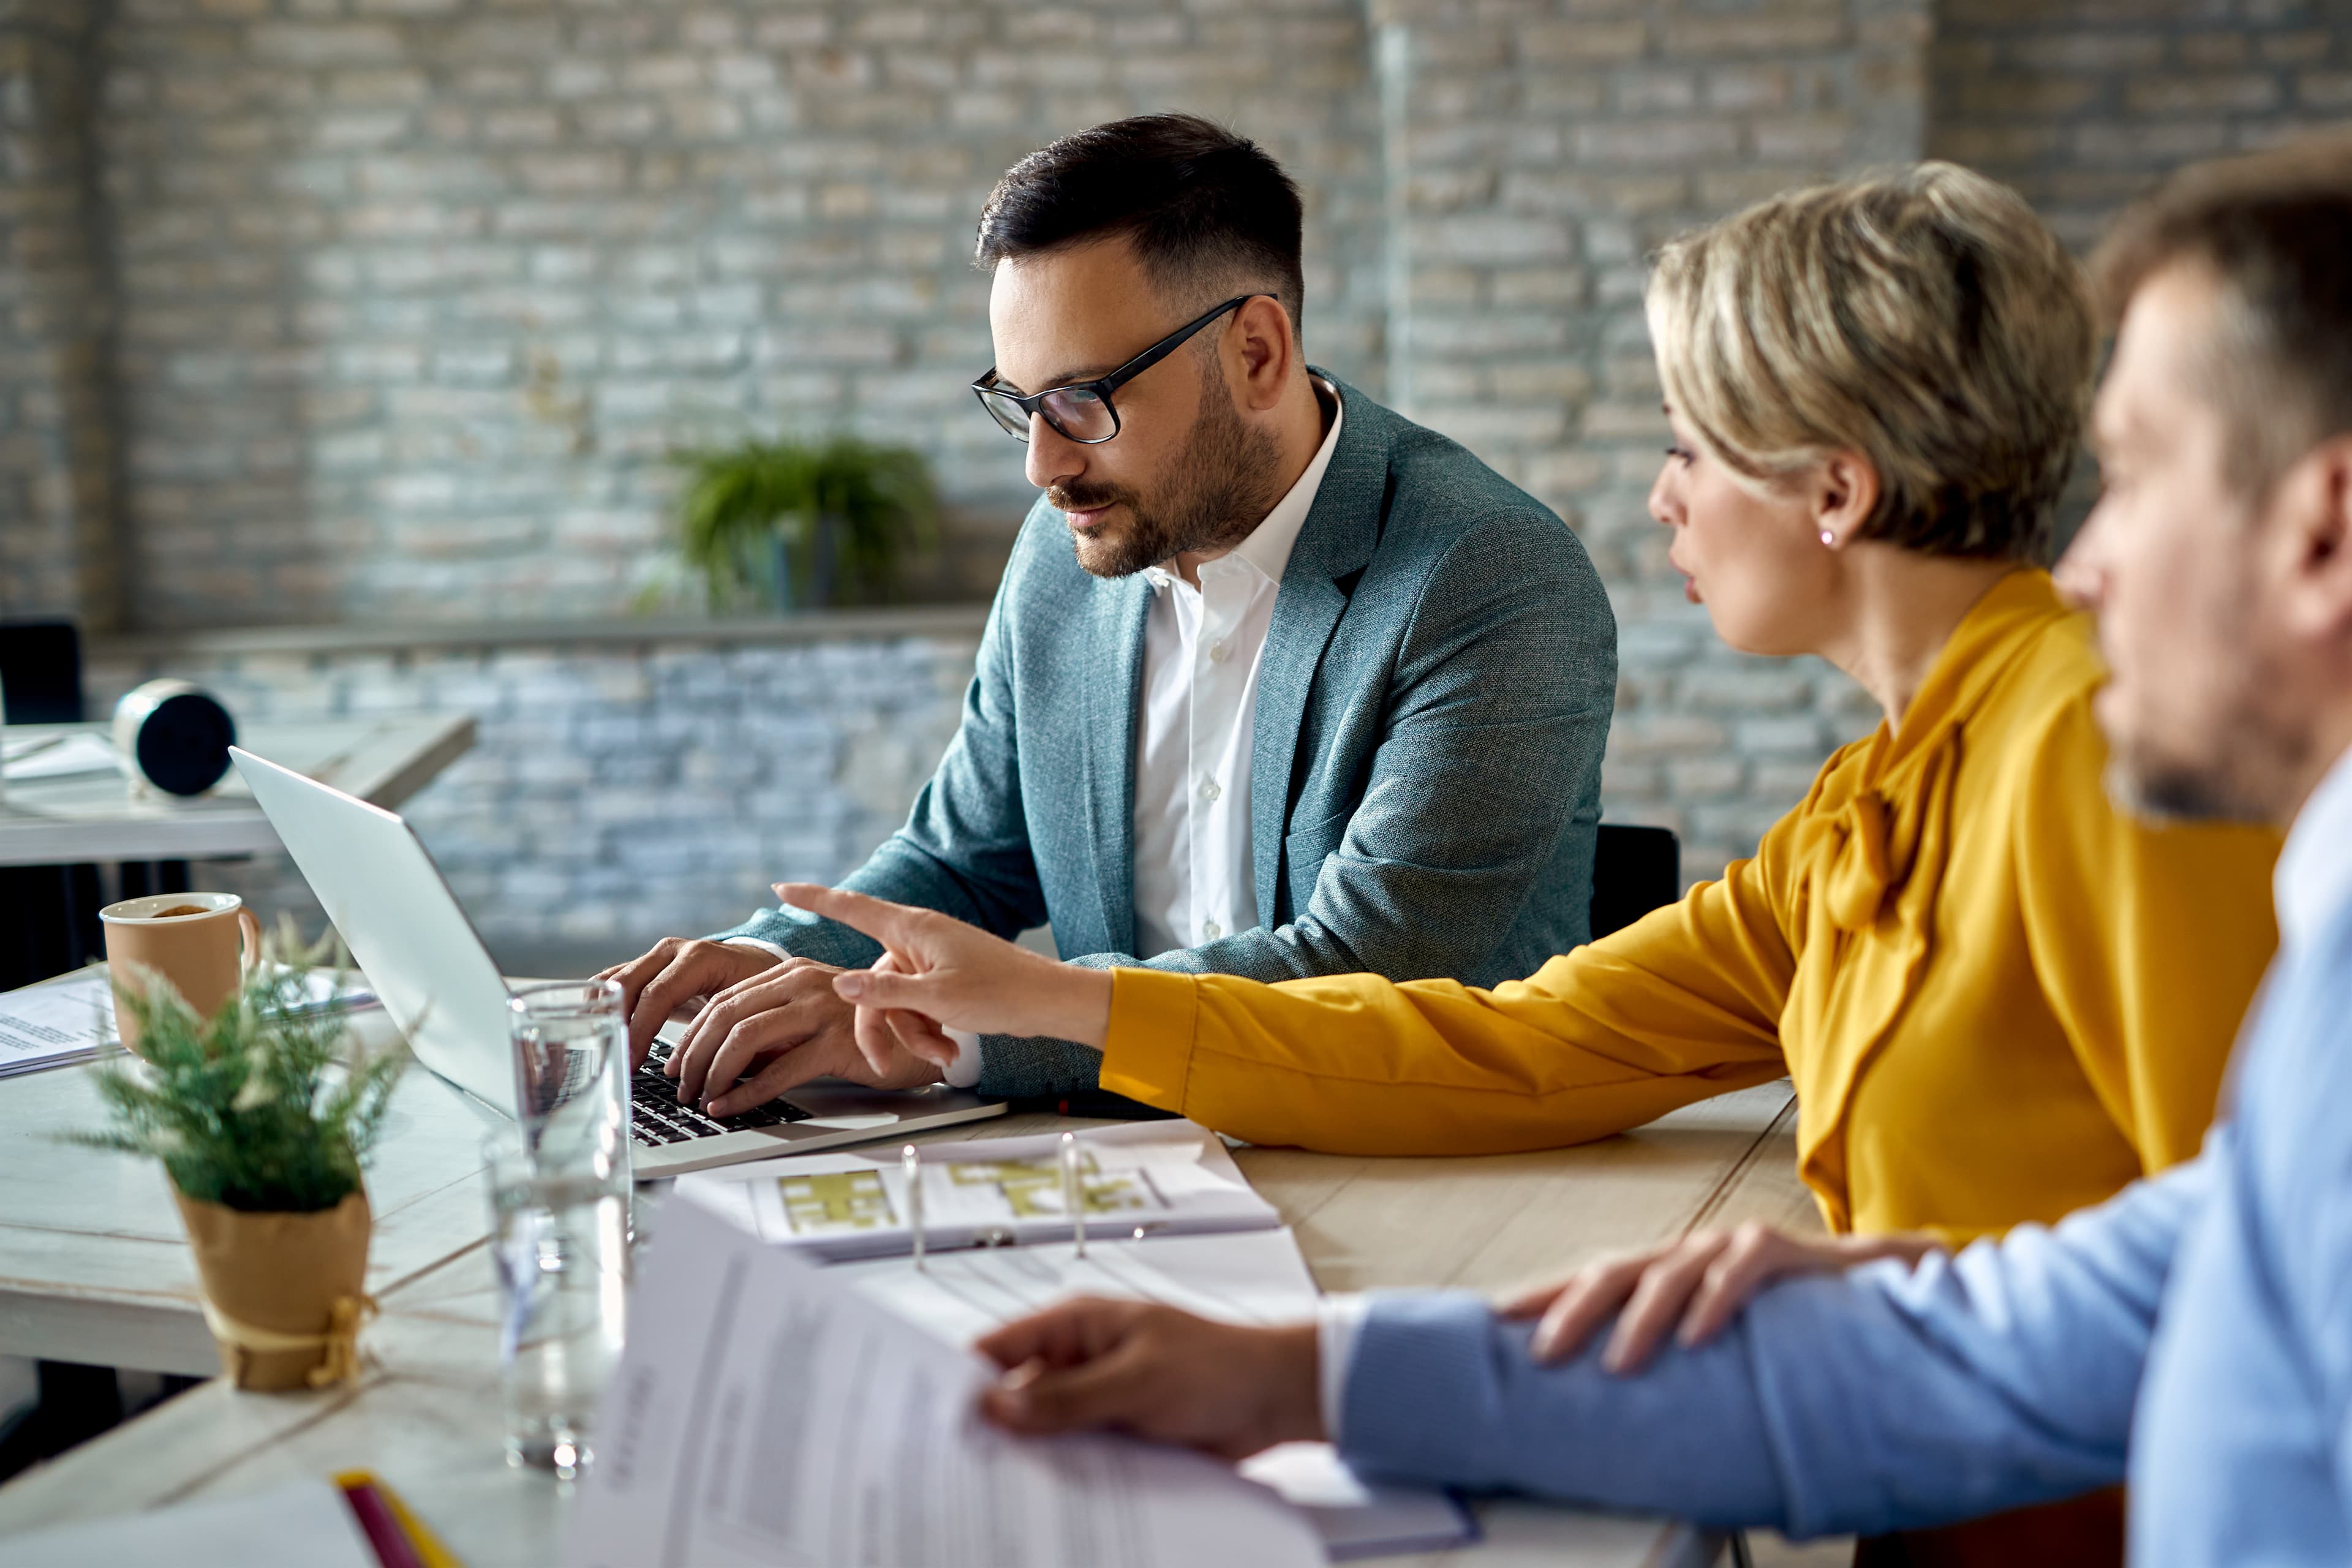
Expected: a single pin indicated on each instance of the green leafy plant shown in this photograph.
(250, 1109)
(797, 524)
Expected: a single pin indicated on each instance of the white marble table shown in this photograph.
(91, 1261)
(99, 816)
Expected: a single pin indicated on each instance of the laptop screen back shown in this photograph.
(404, 927)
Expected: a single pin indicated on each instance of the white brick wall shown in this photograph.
(618, 792)
(2083, 105)
(57, 449)
(417, 293)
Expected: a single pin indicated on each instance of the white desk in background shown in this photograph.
(92, 1268)
(97, 816)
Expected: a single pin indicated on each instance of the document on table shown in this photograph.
(61, 1022)
(56, 1025)
(1256, 1277)
(1240, 1276)
(764, 1415)
(307, 1522)
(1139, 1179)
(1355, 1518)
(59, 757)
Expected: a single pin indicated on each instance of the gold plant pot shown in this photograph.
(284, 1293)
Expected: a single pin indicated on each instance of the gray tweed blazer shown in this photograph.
(1432, 707)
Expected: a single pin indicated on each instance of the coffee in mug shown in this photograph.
(202, 943)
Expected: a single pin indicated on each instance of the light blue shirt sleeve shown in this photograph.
(1881, 1399)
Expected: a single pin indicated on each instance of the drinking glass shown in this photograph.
(572, 1072)
(558, 1242)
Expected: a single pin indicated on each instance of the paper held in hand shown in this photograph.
(1149, 1178)
(764, 1414)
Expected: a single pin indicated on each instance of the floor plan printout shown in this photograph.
(766, 1414)
(1152, 1178)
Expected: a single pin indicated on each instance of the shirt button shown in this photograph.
(1219, 653)
(1211, 929)
(1209, 790)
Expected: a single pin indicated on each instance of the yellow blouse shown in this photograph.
(2000, 998)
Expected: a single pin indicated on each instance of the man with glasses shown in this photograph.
(1276, 683)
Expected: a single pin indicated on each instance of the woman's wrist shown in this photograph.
(1081, 1006)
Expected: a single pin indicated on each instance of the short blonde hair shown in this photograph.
(1925, 318)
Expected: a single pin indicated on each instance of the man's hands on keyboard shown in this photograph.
(657, 1115)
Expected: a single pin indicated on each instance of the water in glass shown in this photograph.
(559, 1241)
(572, 1071)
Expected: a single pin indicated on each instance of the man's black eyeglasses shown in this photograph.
(1083, 413)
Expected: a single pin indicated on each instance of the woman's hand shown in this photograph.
(940, 974)
(1157, 1372)
(1702, 1279)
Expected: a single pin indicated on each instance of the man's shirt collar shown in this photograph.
(2314, 880)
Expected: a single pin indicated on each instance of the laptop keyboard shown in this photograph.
(657, 1116)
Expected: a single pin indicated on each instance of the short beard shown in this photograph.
(2243, 777)
(2175, 792)
(1223, 487)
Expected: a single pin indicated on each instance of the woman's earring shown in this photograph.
(1829, 538)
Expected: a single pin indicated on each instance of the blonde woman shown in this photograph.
(2000, 998)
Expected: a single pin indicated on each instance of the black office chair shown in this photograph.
(40, 672)
(48, 914)
(1635, 870)
(51, 924)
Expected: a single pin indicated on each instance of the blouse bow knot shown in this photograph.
(1858, 866)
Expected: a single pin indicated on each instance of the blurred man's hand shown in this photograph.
(1157, 1372)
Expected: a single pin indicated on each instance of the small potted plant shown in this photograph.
(262, 1119)
(802, 526)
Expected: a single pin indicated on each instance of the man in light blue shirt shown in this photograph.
(2194, 1335)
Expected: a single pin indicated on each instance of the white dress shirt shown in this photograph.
(1194, 876)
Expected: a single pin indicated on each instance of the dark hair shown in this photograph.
(2276, 230)
(1206, 210)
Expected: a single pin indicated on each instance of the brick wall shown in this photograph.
(417, 293)
(618, 792)
(2083, 104)
(1545, 150)
(57, 518)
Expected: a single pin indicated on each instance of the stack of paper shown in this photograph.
(1142, 1179)
(59, 756)
(61, 1022)
(56, 1025)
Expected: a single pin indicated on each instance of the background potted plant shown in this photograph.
(263, 1116)
(799, 526)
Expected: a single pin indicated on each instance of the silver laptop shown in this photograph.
(428, 965)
